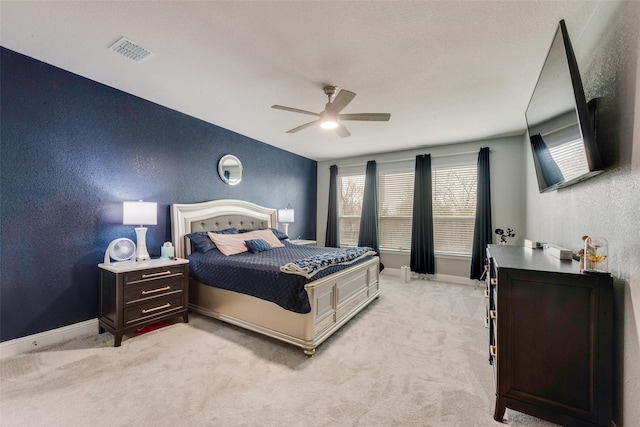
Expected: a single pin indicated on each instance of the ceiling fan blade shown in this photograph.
(342, 131)
(342, 99)
(294, 110)
(367, 117)
(304, 126)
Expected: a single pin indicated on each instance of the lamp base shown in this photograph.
(285, 228)
(141, 246)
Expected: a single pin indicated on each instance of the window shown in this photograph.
(454, 208)
(395, 200)
(351, 192)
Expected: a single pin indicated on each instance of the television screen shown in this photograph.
(559, 121)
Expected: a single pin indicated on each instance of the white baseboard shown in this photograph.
(48, 338)
(436, 277)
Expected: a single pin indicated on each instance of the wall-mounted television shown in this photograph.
(560, 123)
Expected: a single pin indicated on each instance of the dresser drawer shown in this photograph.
(140, 291)
(156, 307)
(153, 274)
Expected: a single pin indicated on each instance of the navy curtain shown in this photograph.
(332, 236)
(482, 229)
(547, 168)
(423, 259)
(368, 235)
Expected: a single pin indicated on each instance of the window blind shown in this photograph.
(395, 199)
(454, 208)
(351, 191)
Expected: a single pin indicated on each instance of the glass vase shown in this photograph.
(596, 255)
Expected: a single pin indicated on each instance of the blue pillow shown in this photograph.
(201, 241)
(279, 234)
(257, 245)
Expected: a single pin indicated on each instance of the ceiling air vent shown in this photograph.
(130, 49)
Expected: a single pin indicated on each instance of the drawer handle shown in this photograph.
(150, 310)
(486, 293)
(486, 322)
(494, 281)
(162, 273)
(493, 314)
(493, 351)
(153, 291)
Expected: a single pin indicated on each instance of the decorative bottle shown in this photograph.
(596, 255)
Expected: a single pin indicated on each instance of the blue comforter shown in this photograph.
(259, 275)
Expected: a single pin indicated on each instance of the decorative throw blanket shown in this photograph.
(308, 267)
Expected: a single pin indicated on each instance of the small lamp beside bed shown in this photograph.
(140, 213)
(286, 216)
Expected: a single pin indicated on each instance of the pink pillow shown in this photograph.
(265, 234)
(229, 244)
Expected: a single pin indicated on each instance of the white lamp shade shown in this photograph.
(139, 213)
(285, 215)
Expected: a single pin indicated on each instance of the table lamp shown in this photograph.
(285, 216)
(140, 213)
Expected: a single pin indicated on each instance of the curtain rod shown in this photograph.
(412, 158)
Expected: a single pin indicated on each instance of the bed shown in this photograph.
(333, 298)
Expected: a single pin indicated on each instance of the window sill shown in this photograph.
(452, 255)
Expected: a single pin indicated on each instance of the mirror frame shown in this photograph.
(231, 180)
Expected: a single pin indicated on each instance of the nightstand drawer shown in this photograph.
(138, 292)
(154, 308)
(153, 274)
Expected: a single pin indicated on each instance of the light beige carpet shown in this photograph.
(415, 357)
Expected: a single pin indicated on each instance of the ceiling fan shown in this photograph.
(330, 118)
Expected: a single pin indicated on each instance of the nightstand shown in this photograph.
(304, 242)
(135, 294)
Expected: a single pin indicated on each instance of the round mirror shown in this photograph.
(230, 169)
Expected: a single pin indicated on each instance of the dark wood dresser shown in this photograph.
(550, 331)
(135, 294)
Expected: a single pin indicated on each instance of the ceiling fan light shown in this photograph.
(329, 124)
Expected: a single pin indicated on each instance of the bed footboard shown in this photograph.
(334, 300)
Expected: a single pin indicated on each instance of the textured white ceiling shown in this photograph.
(447, 71)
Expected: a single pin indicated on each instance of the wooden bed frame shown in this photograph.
(334, 299)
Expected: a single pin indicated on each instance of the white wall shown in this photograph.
(507, 189)
(607, 205)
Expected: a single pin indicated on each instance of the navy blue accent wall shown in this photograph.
(72, 150)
